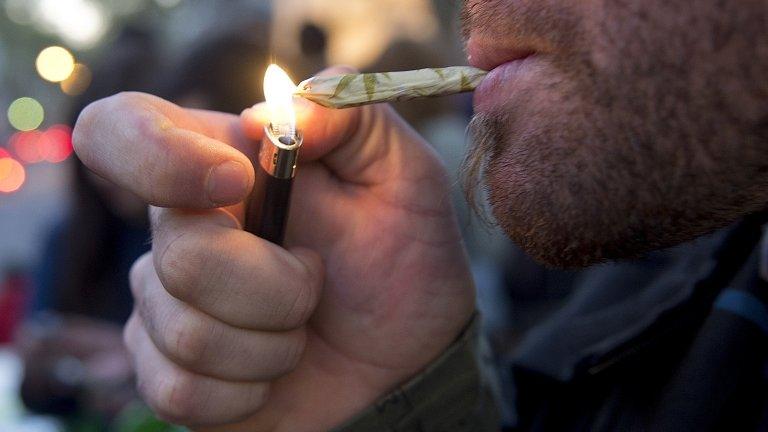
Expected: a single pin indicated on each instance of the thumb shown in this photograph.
(365, 145)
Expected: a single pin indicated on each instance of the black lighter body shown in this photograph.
(270, 200)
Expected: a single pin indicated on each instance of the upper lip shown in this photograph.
(487, 54)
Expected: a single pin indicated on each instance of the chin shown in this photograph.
(542, 231)
(569, 205)
(551, 186)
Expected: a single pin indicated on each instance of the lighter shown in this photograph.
(267, 213)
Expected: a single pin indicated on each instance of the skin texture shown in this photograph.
(233, 333)
(635, 125)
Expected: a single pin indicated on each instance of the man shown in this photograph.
(608, 129)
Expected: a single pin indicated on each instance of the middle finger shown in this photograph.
(202, 344)
(206, 261)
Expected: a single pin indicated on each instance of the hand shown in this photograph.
(234, 332)
(71, 361)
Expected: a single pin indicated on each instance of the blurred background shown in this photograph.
(68, 238)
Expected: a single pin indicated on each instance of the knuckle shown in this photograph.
(194, 263)
(144, 389)
(148, 125)
(259, 395)
(174, 399)
(189, 338)
(129, 101)
(91, 116)
(302, 304)
(177, 267)
(137, 274)
(128, 334)
(291, 354)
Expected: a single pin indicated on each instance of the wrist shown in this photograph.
(448, 392)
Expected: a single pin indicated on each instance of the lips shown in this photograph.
(487, 54)
(511, 67)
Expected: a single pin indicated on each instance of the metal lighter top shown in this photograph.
(279, 154)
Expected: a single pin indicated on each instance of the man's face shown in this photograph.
(614, 127)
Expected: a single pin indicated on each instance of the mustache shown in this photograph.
(468, 11)
(483, 136)
(542, 25)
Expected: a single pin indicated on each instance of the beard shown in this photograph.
(646, 128)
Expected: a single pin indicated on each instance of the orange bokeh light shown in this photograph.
(12, 175)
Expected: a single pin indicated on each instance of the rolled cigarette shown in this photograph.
(350, 90)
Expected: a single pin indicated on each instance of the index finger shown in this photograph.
(167, 155)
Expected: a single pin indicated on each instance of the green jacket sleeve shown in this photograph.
(450, 395)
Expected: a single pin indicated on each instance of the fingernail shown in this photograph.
(227, 183)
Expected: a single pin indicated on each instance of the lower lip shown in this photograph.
(503, 82)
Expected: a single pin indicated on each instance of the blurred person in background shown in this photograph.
(221, 72)
(81, 296)
(87, 256)
(313, 45)
(75, 361)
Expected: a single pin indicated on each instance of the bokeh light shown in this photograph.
(55, 64)
(26, 114)
(26, 146)
(4, 153)
(19, 11)
(80, 23)
(55, 144)
(78, 81)
(12, 175)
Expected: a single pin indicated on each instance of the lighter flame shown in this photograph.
(279, 90)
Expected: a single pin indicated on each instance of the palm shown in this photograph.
(397, 288)
(395, 264)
